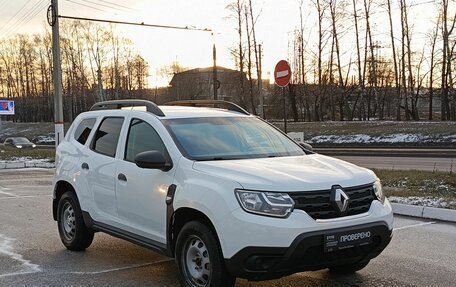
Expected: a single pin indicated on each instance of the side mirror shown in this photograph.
(306, 146)
(153, 160)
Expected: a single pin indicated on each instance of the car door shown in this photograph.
(141, 193)
(99, 166)
(73, 152)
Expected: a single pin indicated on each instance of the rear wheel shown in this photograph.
(199, 258)
(73, 232)
(349, 268)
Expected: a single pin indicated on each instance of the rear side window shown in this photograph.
(83, 130)
(142, 137)
(107, 136)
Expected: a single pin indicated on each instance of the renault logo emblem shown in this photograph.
(339, 199)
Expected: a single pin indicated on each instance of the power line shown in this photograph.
(22, 8)
(137, 24)
(87, 6)
(29, 16)
(115, 4)
(100, 4)
(25, 18)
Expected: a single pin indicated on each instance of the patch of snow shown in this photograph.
(6, 249)
(391, 138)
(26, 162)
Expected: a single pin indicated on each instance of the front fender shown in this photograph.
(208, 194)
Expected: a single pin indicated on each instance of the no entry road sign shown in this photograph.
(282, 73)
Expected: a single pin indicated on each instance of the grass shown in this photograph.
(11, 153)
(406, 183)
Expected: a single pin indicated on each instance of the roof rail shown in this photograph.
(208, 103)
(118, 104)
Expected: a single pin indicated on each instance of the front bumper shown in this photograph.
(306, 253)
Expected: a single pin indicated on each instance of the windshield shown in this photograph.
(21, 141)
(229, 138)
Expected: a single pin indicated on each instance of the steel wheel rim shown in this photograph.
(196, 262)
(68, 221)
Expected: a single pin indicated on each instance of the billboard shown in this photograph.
(6, 107)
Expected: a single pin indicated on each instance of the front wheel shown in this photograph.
(349, 268)
(199, 258)
(73, 232)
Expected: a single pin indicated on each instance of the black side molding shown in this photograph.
(126, 235)
(170, 218)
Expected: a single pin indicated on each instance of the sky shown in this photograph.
(277, 20)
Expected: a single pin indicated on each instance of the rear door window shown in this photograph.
(83, 130)
(107, 136)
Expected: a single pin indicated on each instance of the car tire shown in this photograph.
(349, 268)
(199, 258)
(73, 232)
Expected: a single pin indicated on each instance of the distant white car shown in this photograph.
(223, 192)
(48, 139)
(19, 142)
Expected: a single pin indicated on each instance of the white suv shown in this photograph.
(222, 191)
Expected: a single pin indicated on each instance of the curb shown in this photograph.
(19, 165)
(424, 212)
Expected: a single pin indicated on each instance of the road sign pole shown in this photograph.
(284, 110)
(282, 76)
(58, 106)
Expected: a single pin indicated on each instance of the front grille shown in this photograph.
(318, 205)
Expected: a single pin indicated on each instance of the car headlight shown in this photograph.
(378, 190)
(265, 203)
(33, 145)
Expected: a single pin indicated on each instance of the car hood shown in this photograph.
(297, 173)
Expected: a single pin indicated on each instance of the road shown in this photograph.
(403, 163)
(421, 253)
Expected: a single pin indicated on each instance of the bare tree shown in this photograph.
(433, 40)
(237, 8)
(396, 70)
(249, 59)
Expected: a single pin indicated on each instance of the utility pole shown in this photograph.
(53, 20)
(260, 83)
(215, 80)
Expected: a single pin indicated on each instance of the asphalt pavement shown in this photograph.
(421, 253)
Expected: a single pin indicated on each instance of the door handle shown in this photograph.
(85, 166)
(122, 177)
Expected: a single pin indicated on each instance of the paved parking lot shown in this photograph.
(421, 253)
